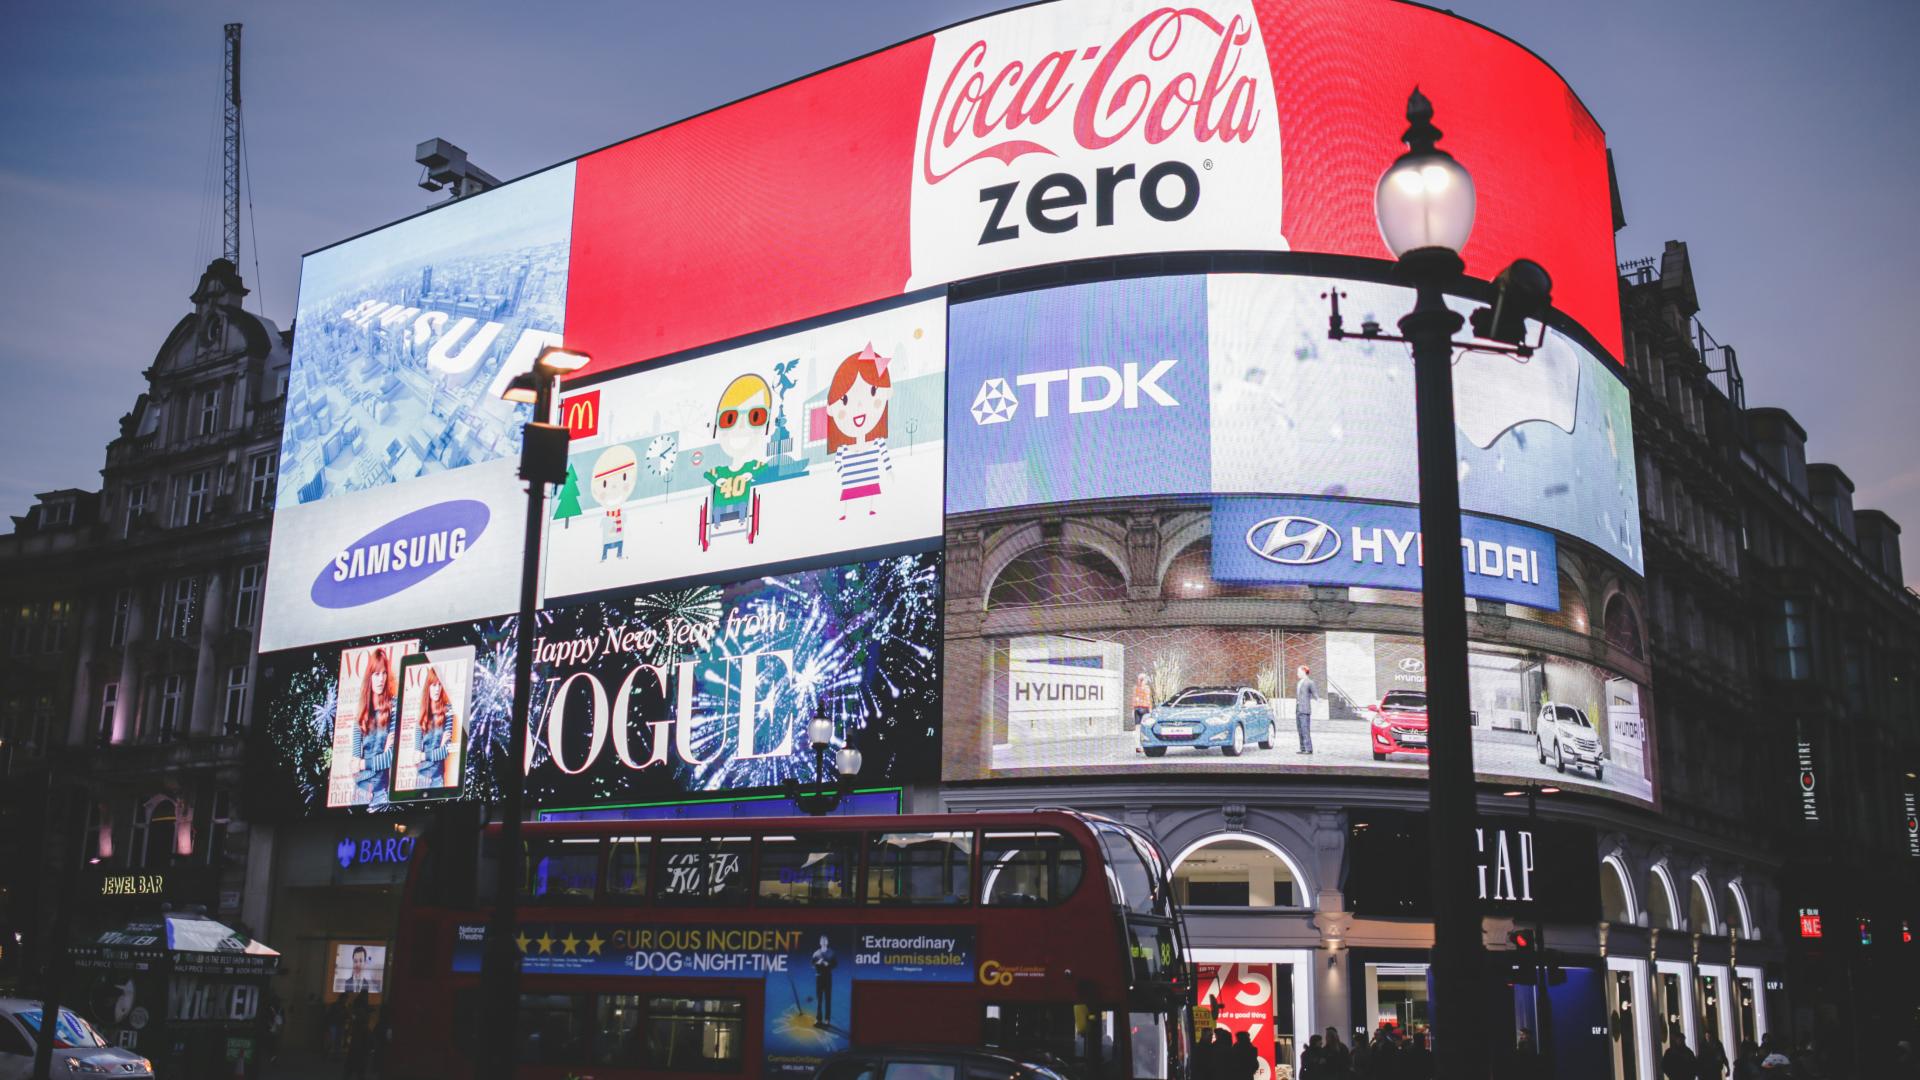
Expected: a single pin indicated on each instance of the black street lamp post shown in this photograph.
(543, 461)
(1425, 206)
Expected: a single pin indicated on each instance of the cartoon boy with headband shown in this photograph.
(740, 426)
(614, 475)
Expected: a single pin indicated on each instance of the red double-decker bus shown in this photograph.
(760, 948)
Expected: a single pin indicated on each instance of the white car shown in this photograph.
(78, 1050)
(1564, 733)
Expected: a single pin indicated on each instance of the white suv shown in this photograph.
(79, 1051)
(1565, 732)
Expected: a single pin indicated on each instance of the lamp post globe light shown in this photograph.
(835, 787)
(1425, 201)
(543, 461)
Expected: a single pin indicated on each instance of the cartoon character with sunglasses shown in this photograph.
(740, 426)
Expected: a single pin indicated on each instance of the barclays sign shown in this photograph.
(1315, 541)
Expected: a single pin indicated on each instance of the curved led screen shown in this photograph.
(1227, 384)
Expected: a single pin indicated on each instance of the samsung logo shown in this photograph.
(400, 554)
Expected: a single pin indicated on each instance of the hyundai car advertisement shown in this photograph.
(1227, 384)
(1227, 698)
(820, 442)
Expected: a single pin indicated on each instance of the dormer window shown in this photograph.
(210, 411)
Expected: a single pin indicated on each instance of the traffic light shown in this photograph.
(1528, 961)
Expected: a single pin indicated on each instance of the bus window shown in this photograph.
(695, 1033)
(702, 870)
(918, 868)
(627, 868)
(552, 1028)
(1132, 870)
(1149, 1033)
(807, 869)
(1027, 869)
(566, 871)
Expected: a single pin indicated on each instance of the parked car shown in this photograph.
(1566, 734)
(1206, 717)
(1399, 724)
(939, 1063)
(78, 1050)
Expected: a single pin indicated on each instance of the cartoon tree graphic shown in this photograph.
(566, 505)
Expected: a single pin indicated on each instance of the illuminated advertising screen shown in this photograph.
(1228, 384)
(359, 967)
(396, 488)
(666, 695)
(1073, 130)
(707, 690)
(818, 442)
(1226, 698)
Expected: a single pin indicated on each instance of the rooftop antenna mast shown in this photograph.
(230, 205)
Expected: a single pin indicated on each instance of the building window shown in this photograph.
(219, 827)
(122, 611)
(136, 506)
(1058, 573)
(210, 411)
(1234, 872)
(39, 734)
(173, 694)
(109, 707)
(56, 513)
(53, 636)
(236, 711)
(1792, 648)
(177, 604)
(198, 500)
(153, 825)
(23, 620)
(246, 598)
(266, 475)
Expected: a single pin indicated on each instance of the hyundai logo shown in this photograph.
(1293, 541)
(1412, 665)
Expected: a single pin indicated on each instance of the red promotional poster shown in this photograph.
(1240, 998)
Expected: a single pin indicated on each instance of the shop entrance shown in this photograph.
(1259, 992)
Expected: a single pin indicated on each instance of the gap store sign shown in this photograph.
(1309, 541)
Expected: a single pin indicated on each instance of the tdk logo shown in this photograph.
(1293, 541)
(1089, 389)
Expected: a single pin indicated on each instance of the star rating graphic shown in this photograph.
(594, 941)
(523, 941)
(545, 941)
(570, 943)
(995, 403)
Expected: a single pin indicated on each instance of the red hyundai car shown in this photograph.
(1399, 724)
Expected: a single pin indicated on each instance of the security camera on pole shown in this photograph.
(1425, 207)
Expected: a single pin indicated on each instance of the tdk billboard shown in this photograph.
(1298, 541)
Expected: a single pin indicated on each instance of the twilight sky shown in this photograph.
(1777, 137)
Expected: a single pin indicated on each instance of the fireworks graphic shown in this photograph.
(858, 643)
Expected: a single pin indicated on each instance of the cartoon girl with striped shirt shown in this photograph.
(857, 427)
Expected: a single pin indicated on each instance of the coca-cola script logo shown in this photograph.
(1144, 81)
